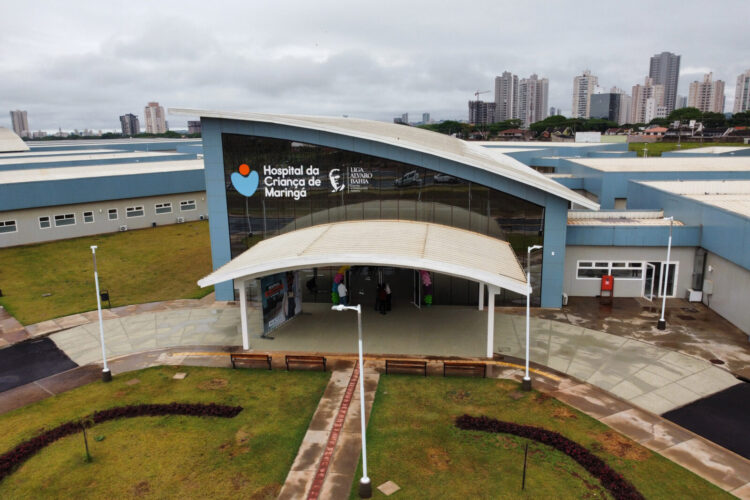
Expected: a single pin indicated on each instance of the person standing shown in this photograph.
(382, 298)
(343, 297)
(387, 296)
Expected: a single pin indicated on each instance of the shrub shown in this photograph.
(620, 487)
(18, 455)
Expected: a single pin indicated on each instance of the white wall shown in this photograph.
(576, 287)
(731, 285)
(27, 221)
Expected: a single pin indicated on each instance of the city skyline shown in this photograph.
(333, 60)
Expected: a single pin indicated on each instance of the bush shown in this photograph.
(18, 455)
(620, 487)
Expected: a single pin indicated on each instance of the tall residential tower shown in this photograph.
(742, 93)
(506, 97)
(707, 96)
(20, 123)
(583, 89)
(155, 121)
(665, 71)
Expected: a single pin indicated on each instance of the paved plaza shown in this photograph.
(650, 377)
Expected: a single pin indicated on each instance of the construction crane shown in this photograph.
(478, 92)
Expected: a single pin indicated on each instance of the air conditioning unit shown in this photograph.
(180, 220)
(123, 228)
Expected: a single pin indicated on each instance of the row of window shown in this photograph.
(597, 269)
(45, 222)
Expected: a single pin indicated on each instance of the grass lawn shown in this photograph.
(145, 265)
(657, 148)
(247, 456)
(412, 441)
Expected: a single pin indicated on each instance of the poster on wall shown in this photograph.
(281, 298)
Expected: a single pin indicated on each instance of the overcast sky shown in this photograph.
(76, 64)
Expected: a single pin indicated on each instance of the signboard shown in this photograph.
(281, 298)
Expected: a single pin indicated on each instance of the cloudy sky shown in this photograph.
(77, 64)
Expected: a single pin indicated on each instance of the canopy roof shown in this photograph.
(415, 139)
(408, 244)
(10, 142)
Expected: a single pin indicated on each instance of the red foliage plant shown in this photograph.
(18, 455)
(620, 487)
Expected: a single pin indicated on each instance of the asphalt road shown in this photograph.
(31, 360)
(722, 418)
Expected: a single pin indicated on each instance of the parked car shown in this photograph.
(410, 178)
(445, 179)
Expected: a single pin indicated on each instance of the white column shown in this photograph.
(243, 316)
(481, 296)
(491, 290)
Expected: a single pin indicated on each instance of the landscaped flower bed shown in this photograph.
(611, 480)
(15, 457)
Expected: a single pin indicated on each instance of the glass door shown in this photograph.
(648, 282)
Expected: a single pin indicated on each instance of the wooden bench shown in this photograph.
(249, 358)
(465, 367)
(305, 360)
(406, 364)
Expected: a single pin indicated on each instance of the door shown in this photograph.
(648, 282)
(671, 283)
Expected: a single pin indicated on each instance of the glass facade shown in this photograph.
(299, 185)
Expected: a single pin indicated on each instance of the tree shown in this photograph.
(714, 119)
(684, 114)
(740, 119)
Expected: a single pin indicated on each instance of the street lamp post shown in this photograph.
(106, 374)
(526, 384)
(662, 323)
(365, 486)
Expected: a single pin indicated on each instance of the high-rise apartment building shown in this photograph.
(665, 71)
(425, 118)
(481, 113)
(647, 102)
(608, 106)
(708, 95)
(20, 123)
(506, 97)
(625, 105)
(533, 95)
(155, 121)
(583, 88)
(681, 102)
(130, 125)
(742, 93)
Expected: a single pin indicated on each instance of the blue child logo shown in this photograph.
(246, 181)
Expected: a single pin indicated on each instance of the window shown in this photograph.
(187, 205)
(8, 226)
(134, 211)
(621, 270)
(88, 217)
(44, 222)
(112, 213)
(65, 220)
(163, 208)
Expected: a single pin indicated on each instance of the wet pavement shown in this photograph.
(29, 361)
(692, 328)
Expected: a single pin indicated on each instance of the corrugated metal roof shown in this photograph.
(65, 173)
(714, 150)
(733, 196)
(10, 142)
(618, 218)
(415, 139)
(408, 244)
(672, 164)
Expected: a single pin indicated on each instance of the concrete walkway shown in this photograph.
(651, 377)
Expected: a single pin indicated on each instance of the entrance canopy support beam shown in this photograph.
(481, 296)
(243, 314)
(492, 290)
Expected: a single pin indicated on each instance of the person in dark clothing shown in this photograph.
(387, 289)
(382, 299)
(377, 297)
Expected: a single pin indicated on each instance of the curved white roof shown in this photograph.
(10, 142)
(412, 138)
(408, 244)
